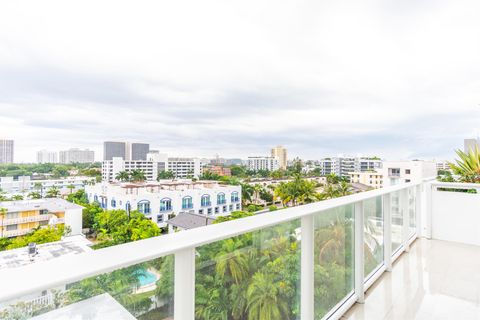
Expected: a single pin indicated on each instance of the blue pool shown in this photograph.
(145, 278)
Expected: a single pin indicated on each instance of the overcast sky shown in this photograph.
(398, 79)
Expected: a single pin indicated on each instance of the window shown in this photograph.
(95, 198)
(12, 227)
(187, 203)
(238, 206)
(113, 203)
(407, 180)
(209, 211)
(230, 207)
(14, 215)
(224, 209)
(43, 223)
(205, 201)
(221, 198)
(234, 197)
(144, 207)
(160, 218)
(165, 205)
(407, 171)
(217, 209)
(200, 211)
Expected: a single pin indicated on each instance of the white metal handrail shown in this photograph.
(18, 282)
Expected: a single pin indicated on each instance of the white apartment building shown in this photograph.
(281, 153)
(46, 156)
(76, 155)
(263, 163)
(343, 166)
(24, 216)
(397, 172)
(443, 165)
(6, 151)
(24, 184)
(162, 201)
(371, 179)
(182, 168)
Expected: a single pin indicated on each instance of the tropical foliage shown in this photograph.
(467, 166)
(38, 236)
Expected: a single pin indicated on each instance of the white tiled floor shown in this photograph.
(435, 280)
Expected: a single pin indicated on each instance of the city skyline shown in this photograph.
(356, 83)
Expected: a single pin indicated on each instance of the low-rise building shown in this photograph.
(24, 216)
(25, 184)
(371, 179)
(161, 201)
(397, 172)
(219, 170)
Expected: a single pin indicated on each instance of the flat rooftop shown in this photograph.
(69, 246)
(50, 204)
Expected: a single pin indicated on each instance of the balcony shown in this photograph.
(41, 217)
(414, 247)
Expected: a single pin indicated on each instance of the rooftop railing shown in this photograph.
(308, 262)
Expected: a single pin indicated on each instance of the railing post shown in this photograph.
(307, 276)
(184, 297)
(427, 229)
(359, 254)
(387, 232)
(418, 209)
(406, 218)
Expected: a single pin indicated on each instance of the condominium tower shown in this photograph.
(280, 153)
(45, 156)
(6, 151)
(75, 155)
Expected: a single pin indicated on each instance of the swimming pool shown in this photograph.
(146, 277)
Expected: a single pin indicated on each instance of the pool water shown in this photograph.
(145, 278)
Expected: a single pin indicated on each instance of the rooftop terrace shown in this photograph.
(357, 257)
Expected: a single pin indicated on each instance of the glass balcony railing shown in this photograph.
(309, 262)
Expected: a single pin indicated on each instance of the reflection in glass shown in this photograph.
(373, 234)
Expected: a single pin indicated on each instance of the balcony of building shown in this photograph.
(403, 252)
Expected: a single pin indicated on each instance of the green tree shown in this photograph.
(123, 176)
(53, 192)
(165, 175)
(3, 213)
(34, 195)
(467, 166)
(38, 236)
(17, 197)
(264, 298)
(138, 175)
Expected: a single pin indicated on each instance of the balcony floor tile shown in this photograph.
(435, 280)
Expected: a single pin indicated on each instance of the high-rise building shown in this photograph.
(471, 144)
(75, 155)
(45, 156)
(6, 151)
(263, 163)
(281, 153)
(112, 149)
(125, 150)
(139, 151)
(343, 166)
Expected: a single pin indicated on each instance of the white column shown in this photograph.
(307, 269)
(359, 255)
(418, 209)
(184, 297)
(428, 193)
(387, 232)
(406, 218)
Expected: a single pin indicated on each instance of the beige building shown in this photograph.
(371, 179)
(281, 153)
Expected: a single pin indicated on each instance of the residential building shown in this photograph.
(343, 166)
(45, 156)
(161, 201)
(24, 216)
(263, 163)
(184, 168)
(23, 185)
(371, 179)
(471, 144)
(125, 150)
(443, 165)
(75, 155)
(219, 170)
(396, 172)
(280, 153)
(6, 151)
(111, 168)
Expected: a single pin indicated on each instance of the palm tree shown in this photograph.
(138, 175)
(53, 192)
(257, 189)
(123, 176)
(330, 191)
(264, 300)
(39, 187)
(247, 193)
(71, 187)
(231, 261)
(344, 188)
(3, 213)
(468, 166)
(17, 197)
(34, 195)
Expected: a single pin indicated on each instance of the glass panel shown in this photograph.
(334, 258)
(144, 291)
(397, 221)
(373, 234)
(412, 211)
(252, 276)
